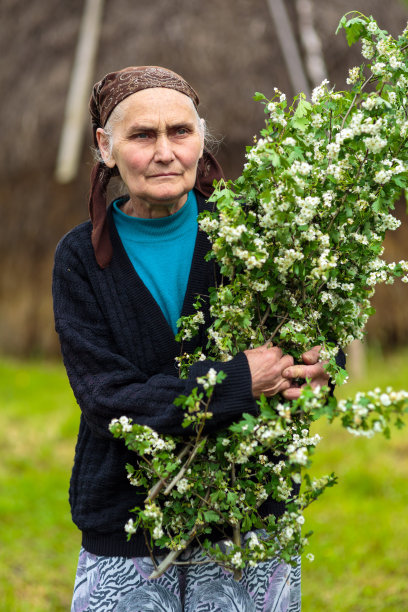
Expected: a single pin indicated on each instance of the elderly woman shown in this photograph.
(121, 282)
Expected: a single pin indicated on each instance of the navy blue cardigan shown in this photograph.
(119, 353)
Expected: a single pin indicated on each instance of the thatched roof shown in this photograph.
(227, 49)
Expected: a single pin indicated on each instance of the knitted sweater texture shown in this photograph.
(119, 353)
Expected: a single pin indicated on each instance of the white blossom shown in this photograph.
(354, 73)
(319, 92)
(130, 527)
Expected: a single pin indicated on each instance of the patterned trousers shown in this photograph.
(119, 584)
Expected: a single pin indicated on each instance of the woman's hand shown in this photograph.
(267, 364)
(312, 369)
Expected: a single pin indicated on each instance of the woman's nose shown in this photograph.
(164, 150)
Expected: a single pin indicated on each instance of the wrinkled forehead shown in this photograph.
(157, 103)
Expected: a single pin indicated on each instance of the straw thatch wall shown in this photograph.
(227, 49)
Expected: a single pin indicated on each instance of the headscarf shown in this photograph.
(106, 95)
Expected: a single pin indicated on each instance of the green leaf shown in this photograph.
(377, 205)
(231, 497)
(341, 376)
(275, 159)
(227, 298)
(295, 154)
(266, 410)
(342, 24)
(299, 120)
(246, 523)
(354, 29)
(400, 181)
(257, 522)
(302, 108)
(221, 376)
(299, 123)
(211, 516)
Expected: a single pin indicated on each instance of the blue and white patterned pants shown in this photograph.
(119, 584)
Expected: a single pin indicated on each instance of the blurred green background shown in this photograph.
(360, 541)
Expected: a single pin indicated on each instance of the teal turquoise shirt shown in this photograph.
(161, 251)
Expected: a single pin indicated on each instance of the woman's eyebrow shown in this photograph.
(139, 127)
(182, 124)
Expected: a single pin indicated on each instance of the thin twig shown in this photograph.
(220, 514)
(236, 529)
(155, 490)
(266, 315)
(168, 560)
(354, 99)
(172, 556)
(149, 548)
(258, 309)
(183, 470)
(193, 562)
(277, 328)
(330, 129)
(343, 199)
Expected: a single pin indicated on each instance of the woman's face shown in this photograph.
(156, 146)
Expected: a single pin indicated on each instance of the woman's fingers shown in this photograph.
(266, 366)
(315, 373)
(312, 356)
(292, 393)
(280, 385)
(273, 372)
(304, 371)
(287, 361)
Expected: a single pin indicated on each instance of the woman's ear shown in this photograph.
(104, 146)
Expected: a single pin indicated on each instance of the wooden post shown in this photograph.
(290, 50)
(79, 92)
(356, 360)
(311, 43)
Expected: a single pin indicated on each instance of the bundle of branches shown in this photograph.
(298, 238)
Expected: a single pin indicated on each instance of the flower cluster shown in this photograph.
(148, 442)
(298, 239)
(368, 413)
(316, 191)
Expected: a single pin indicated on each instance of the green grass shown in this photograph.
(361, 529)
(38, 544)
(360, 526)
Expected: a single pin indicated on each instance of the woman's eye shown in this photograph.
(182, 131)
(141, 136)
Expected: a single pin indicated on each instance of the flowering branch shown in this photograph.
(298, 239)
(185, 467)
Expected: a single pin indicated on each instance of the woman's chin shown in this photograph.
(168, 195)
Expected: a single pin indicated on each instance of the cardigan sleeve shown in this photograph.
(108, 385)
